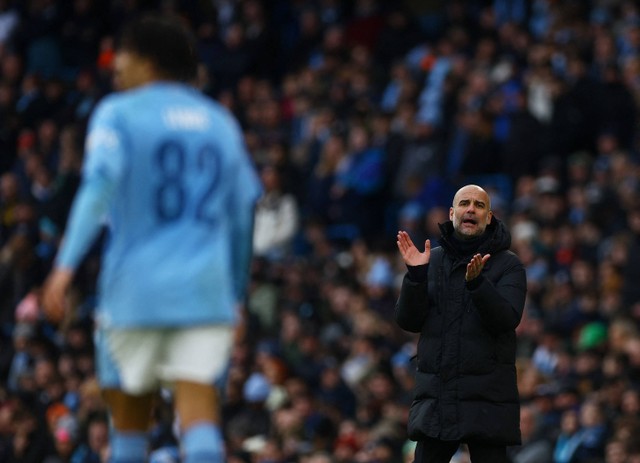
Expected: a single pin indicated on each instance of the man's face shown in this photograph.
(470, 212)
(130, 70)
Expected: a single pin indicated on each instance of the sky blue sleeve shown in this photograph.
(102, 170)
(241, 212)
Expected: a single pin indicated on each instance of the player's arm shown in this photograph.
(104, 164)
(241, 211)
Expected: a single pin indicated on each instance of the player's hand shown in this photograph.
(475, 266)
(410, 254)
(54, 294)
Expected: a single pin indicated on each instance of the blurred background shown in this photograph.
(363, 117)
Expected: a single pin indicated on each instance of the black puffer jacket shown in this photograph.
(466, 378)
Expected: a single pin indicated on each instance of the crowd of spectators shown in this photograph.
(363, 117)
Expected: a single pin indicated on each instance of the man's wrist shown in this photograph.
(418, 273)
(474, 282)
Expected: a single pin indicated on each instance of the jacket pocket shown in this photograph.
(423, 419)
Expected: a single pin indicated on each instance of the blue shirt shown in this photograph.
(168, 170)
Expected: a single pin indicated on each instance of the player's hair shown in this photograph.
(165, 42)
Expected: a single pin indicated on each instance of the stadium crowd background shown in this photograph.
(363, 118)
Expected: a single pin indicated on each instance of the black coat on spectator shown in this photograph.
(466, 377)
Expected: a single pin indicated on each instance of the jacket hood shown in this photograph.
(497, 237)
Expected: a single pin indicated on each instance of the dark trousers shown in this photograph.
(440, 451)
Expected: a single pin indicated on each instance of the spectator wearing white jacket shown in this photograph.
(276, 217)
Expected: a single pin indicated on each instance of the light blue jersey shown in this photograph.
(168, 169)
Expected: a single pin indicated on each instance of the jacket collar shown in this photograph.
(497, 238)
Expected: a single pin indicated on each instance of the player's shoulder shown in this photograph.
(110, 104)
(186, 96)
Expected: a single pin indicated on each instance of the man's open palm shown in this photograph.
(411, 255)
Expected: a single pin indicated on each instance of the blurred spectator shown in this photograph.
(65, 438)
(95, 443)
(231, 58)
(254, 419)
(9, 19)
(321, 202)
(9, 198)
(333, 391)
(276, 217)
(536, 447)
(630, 289)
(568, 439)
(359, 180)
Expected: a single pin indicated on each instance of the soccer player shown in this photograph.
(168, 170)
